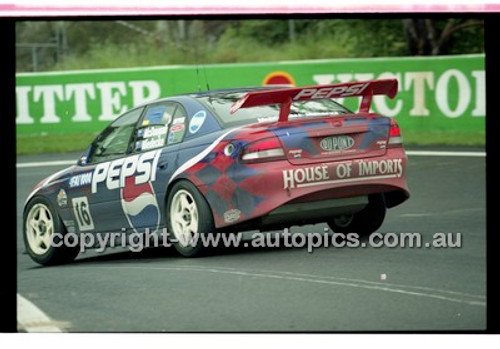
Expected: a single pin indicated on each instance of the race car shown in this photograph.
(227, 161)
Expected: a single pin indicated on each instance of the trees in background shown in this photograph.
(431, 37)
(52, 45)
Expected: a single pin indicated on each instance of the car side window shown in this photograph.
(114, 141)
(177, 129)
(163, 124)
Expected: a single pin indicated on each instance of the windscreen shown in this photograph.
(220, 105)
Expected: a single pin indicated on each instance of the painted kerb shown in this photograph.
(435, 93)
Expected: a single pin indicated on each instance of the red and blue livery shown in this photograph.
(228, 161)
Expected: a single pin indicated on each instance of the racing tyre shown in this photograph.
(364, 222)
(40, 224)
(188, 218)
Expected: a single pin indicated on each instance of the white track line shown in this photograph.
(408, 152)
(45, 163)
(445, 153)
(32, 319)
(316, 280)
(344, 279)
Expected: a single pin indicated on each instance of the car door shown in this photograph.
(94, 186)
(155, 146)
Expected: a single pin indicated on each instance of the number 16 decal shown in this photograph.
(82, 213)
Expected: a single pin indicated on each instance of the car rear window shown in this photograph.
(220, 105)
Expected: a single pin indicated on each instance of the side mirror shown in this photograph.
(83, 160)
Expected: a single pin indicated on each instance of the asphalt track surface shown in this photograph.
(284, 289)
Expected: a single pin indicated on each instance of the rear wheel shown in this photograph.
(189, 217)
(364, 222)
(41, 222)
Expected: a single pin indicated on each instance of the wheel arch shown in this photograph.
(172, 184)
(53, 206)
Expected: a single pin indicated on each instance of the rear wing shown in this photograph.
(286, 96)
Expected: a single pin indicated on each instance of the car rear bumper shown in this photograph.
(276, 190)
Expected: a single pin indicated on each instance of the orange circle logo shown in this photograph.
(279, 78)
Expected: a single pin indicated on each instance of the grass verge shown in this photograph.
(57, 143)
(66, 143)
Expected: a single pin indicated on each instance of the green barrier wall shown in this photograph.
(435, 93)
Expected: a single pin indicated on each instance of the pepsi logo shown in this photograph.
(140, 205)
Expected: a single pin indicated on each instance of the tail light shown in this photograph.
(268, 149)
(395, 133)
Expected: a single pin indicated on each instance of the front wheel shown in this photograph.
(41, 222)
(189, 219)
(364, 222)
